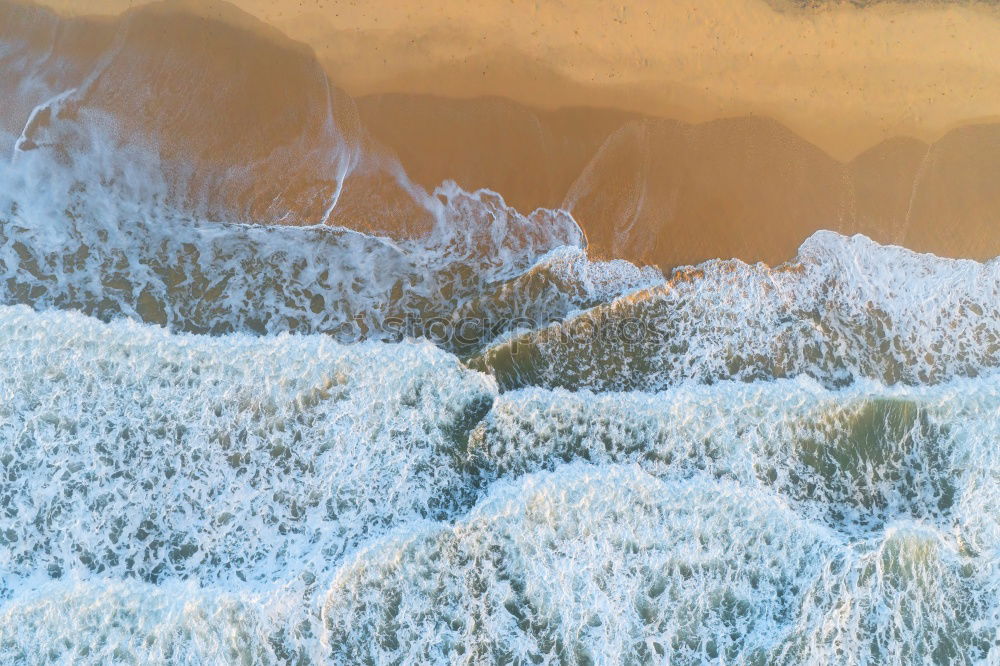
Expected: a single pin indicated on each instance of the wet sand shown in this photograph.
(674, 134)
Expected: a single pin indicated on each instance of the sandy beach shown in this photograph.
(753, 123)
(841, 76)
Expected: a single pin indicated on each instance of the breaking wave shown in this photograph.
(265, 400)
(302, 511)
(845, 309)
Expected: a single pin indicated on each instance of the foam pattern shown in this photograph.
(68, 243)
(135, 623)
(610, 565)
(855, 459)
(846, 308)
(174, 498)
(128, 452)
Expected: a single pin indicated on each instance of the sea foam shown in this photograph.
(302, 511)
(845, 309)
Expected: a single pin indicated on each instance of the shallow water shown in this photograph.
(428, 427)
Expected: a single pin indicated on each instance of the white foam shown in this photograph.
(174, 498)
(856, 458)
(599, 565)
(130, 452)
(135, 623)
(609, 565)
(68, 242)
(187, 498)
(846, 309)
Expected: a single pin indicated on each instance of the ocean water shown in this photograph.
(230, 439)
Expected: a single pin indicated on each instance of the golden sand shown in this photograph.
(843, 77)
(674, 131)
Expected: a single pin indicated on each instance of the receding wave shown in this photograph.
(79, 249)
(227, 211)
